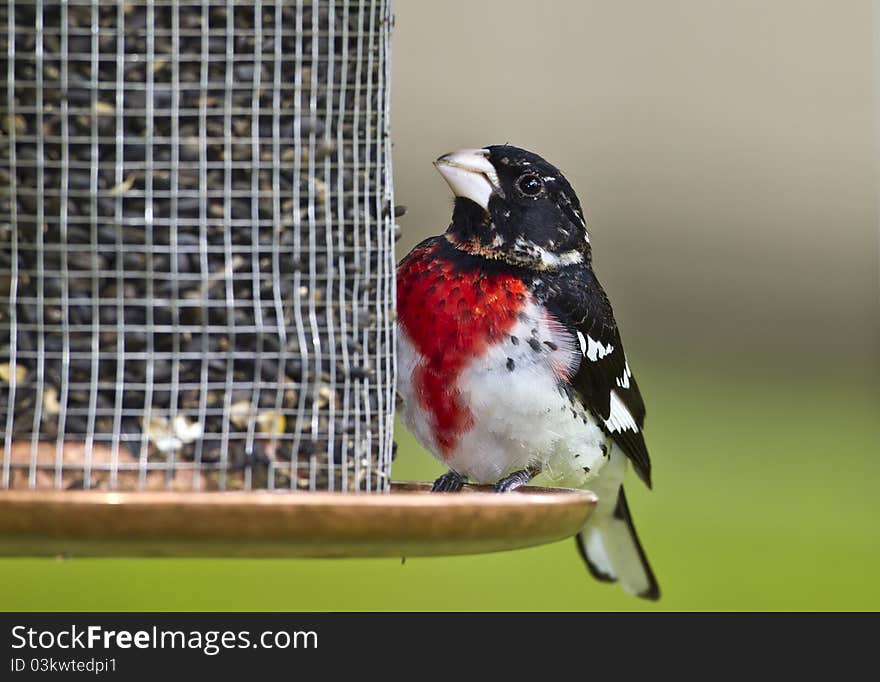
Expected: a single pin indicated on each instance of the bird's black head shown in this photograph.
(513, 206)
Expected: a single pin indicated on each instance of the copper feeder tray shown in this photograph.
(410, 521)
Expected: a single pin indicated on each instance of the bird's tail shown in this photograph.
(611, 549)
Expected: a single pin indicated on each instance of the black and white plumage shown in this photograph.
(605, 384)
(511, 365)
(604, 381)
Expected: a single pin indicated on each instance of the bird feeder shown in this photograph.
(197, 289)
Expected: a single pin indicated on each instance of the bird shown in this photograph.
(511, 367)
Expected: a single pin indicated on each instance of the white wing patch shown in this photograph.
(583, 342)
(620, 419)
(595, 350)
(623, 381)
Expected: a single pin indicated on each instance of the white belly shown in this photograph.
(520, 415)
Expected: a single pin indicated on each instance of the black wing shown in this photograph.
(603, 380)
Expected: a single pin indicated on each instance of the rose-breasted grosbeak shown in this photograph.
(510, 361)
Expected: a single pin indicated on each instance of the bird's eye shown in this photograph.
(530, 185)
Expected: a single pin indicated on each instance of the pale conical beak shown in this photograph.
(470, 174)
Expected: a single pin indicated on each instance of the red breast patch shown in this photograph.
(451, 317)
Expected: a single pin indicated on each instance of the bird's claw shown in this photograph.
(515, 480)
(450, 482)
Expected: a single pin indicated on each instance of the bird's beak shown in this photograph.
(470, 174)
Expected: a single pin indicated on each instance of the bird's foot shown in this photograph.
(516, 480)
(450, 482)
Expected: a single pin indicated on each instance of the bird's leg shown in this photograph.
(517, 479)
(450, 482)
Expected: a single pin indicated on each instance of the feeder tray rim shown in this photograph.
(402, 492)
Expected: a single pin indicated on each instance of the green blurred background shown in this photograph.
(727, 158)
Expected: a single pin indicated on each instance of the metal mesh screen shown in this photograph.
(196, 245)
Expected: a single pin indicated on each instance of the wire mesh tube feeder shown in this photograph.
(196, 289)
